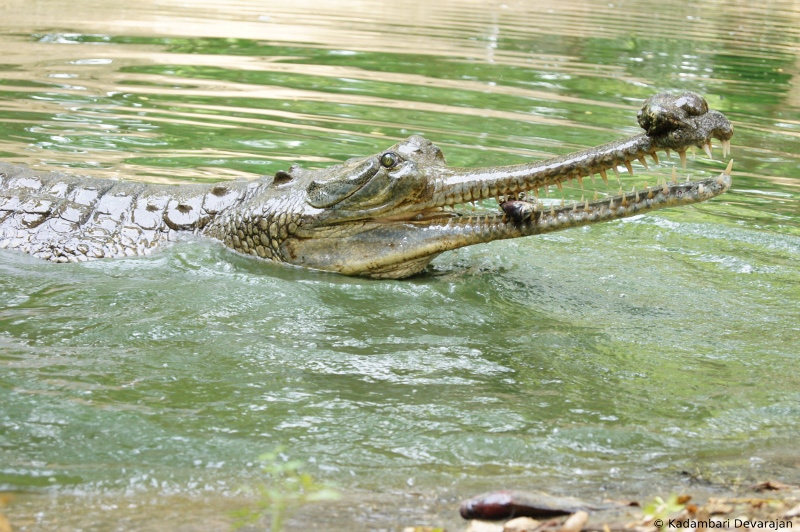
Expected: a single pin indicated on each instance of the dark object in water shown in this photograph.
(511, 503)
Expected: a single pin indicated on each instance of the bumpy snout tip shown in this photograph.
(680, 121)
(664, 112)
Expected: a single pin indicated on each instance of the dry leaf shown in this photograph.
(717, 507)
(575, 522)
(521, 524)
(484, 526)
(772, 485)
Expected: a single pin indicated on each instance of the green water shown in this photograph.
(629, 359)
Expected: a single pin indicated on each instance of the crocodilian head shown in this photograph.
(390, 214)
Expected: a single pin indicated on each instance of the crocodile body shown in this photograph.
(383, 216)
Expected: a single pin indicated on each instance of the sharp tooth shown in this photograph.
(596, 196)
(560, 188)
(552, 211)
(637, 194)
(536, 193)
(580, 181)
(664, 189)
(668, 152)
(729, 169)
(674, 176)
(586, 206)
(650, 194)
(726, 147)
(616, 173)
(644, 163)
(624, 200)
(629, 167)
(655, 157)
(574, 206)
(687, 178)
(701, 189)
(604, 176)
(707, 148)
(683, 158)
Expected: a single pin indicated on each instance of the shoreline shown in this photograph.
(755, 506)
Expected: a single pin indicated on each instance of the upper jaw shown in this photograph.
(676, 129)
(428, 186)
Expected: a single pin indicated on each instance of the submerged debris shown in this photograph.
(511, 503)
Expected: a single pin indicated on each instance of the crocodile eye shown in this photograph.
(389, 159)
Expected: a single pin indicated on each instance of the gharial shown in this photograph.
(384, 216)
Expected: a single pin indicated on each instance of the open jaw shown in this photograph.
(523, 213)
(437, 231)
(673, 123)
(402, 241)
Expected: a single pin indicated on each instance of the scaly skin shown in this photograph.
(381, 216)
